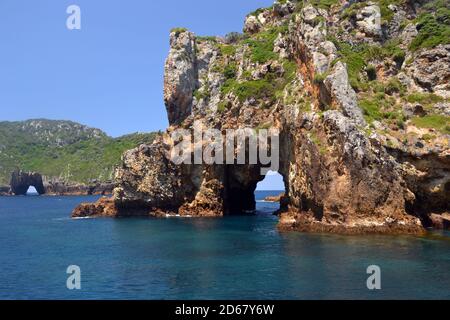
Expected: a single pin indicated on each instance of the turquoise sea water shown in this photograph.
(229, 258)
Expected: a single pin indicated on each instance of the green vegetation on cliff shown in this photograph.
(438, 122)
(357, 58)
(62, 149)
(262, 44)
(433, 25)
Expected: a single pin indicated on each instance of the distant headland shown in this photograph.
(60, 157)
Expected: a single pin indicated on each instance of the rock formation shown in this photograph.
(61, 188)
(5, 190)
(21, 181)
(274, 198)
(359, 103)
(104, 207)
(440, 221)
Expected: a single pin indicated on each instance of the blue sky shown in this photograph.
(272, 181)
(109, 74)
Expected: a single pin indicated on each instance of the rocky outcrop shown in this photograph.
(317, 55)
(5, 190)
(343, 94)
(274, 198)
(349, 155)
(440, 221)
(21, 181)
(103, 208)
(252, 24)
(430, 70)
(56, 187)
(368, 21)
(180, 79)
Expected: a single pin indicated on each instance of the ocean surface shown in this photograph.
(231, 258)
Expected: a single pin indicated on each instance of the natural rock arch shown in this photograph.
(21, 181)
(241, 184)
(339, 175)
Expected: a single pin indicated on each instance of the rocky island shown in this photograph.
(274, 198)
(360, 93)
(60, 157)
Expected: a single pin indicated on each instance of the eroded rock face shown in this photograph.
(180, 78)
(318, 54)
(343, 94)
(343, 172)
(369, 21)
(430, 70)
(149, 179)
(439, 221)
(351, 187)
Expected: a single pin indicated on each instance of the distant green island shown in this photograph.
(65, 150)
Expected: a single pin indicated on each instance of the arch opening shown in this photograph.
(32, 191)
(246, 190)
(22, 181)
(269, 193)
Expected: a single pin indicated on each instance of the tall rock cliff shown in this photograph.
(359, 92)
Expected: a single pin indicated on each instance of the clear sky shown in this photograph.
(107, 75)
(272, 181)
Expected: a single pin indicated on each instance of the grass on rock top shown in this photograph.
(262, 45)
(433, 25)
(260, 50)
(269, 87)
(438, 122)
(424, 98)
